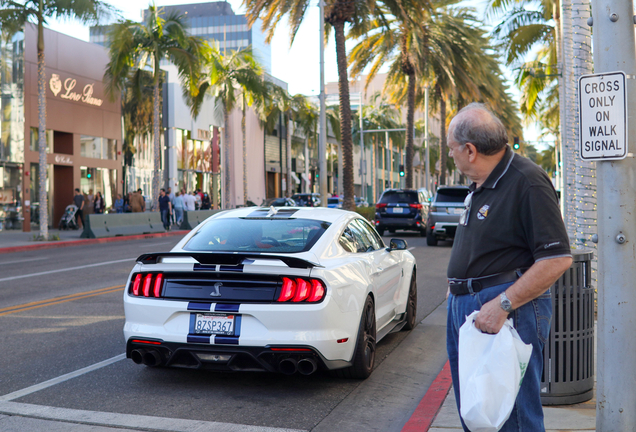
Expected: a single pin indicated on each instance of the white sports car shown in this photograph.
(280, 289)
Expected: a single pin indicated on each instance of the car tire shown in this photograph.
(423, 232)
(431, 240)
(364, 352)
(381, 232)
(411, 305)
(392, 231)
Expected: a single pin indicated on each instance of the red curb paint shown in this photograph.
(61, 244)
(429, 406)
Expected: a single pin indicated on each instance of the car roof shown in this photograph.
(315, 213)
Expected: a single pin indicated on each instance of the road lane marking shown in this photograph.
(66, 269)
(58, 300)
(23, 260)
(35, 388)
(123, 421)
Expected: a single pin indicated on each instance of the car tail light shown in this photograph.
(288, 291)
(158, 284)
(136, 285)
(380, 205)
(146, 285)
(317, 291)
(300, 290)
(416, 206)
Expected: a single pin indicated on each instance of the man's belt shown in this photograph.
(473, 285)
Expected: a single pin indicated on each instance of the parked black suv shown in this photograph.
(403, 209)
(307, 199)
(444, 212)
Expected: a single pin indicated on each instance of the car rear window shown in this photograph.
(451, 195)
(399, 197)
(257, 235)
(333, 200)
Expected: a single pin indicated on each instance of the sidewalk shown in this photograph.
(18, 241)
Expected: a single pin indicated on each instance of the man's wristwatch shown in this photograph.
(505, 302)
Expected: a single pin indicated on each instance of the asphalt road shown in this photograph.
(61, 311)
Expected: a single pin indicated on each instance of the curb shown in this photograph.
(67, 243)
(429, 406)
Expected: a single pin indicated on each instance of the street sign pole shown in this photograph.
(613, 42)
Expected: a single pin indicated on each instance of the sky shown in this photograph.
(297, 65)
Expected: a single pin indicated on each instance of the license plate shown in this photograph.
(398, 210)
(211, 323)
(458, 210)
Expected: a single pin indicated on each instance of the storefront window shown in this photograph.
(12, 97)
(101, 180)
(98, 148)
(34, 140)
(10, 196)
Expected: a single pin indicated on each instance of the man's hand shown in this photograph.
(491, 317)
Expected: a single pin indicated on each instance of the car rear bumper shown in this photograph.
(400, 223)
(318, 326)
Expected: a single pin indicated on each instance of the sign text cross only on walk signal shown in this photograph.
(603, 116)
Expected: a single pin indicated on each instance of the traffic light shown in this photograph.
(516, 143)
(89, 173)
(401, 170)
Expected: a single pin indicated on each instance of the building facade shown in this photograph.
(83, 127)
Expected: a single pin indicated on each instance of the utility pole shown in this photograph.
(322, 144)
(613, 41)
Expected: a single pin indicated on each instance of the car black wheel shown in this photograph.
(392, 231)
(381, 232)
(431, 240)
(411, 305)
(423, 232)
(364, 353)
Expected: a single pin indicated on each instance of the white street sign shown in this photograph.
(603, 116)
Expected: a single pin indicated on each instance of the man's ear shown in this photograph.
(472, 152)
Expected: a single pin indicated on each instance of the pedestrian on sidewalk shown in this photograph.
(137, 202)
(189, 203)
(165, 208)
(178, 208)
(98, 203)
(78, 200)
(510, 247)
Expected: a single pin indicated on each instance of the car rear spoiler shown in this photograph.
(211, 258)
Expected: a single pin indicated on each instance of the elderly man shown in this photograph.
(510, 247)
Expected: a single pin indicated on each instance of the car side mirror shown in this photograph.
(397, 244)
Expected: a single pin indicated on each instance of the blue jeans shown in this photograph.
(178, 215)
(532, 322)
(165, 218)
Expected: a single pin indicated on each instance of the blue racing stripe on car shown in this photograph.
(226, 340)
(204, 339)
(238, 268)
(196, 306)
(237, 326)
(226, 307)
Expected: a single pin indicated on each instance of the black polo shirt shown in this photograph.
(514, 221)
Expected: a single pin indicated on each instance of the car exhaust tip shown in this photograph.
(152, 358)
(307, 366)
(137, 355)
(287, 366)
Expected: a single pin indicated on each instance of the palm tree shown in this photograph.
(394, 37)
(337, 14)
(13, 16)
(231, 79)
(145, 45)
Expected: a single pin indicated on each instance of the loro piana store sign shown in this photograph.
(67, 90)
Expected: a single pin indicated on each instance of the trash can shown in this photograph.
(568, 356)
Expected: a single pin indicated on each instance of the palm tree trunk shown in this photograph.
(244, 154)
(409, 131)
(442, 133)
(374, 168)
(156, 181)
(345, 117)
(43, 168)
(226, 157)
(290, 126)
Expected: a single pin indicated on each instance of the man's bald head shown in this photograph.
(476, 124)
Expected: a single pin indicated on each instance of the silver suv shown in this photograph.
(444, 212)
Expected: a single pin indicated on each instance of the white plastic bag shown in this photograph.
(491, 367)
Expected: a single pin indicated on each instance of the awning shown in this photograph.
(304, 176)
(295, 177)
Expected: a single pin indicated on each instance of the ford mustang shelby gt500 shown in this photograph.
(278, 289)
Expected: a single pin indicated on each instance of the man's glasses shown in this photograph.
(463, 219)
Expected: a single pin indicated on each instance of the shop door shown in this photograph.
(271, 185)
(62, 192)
